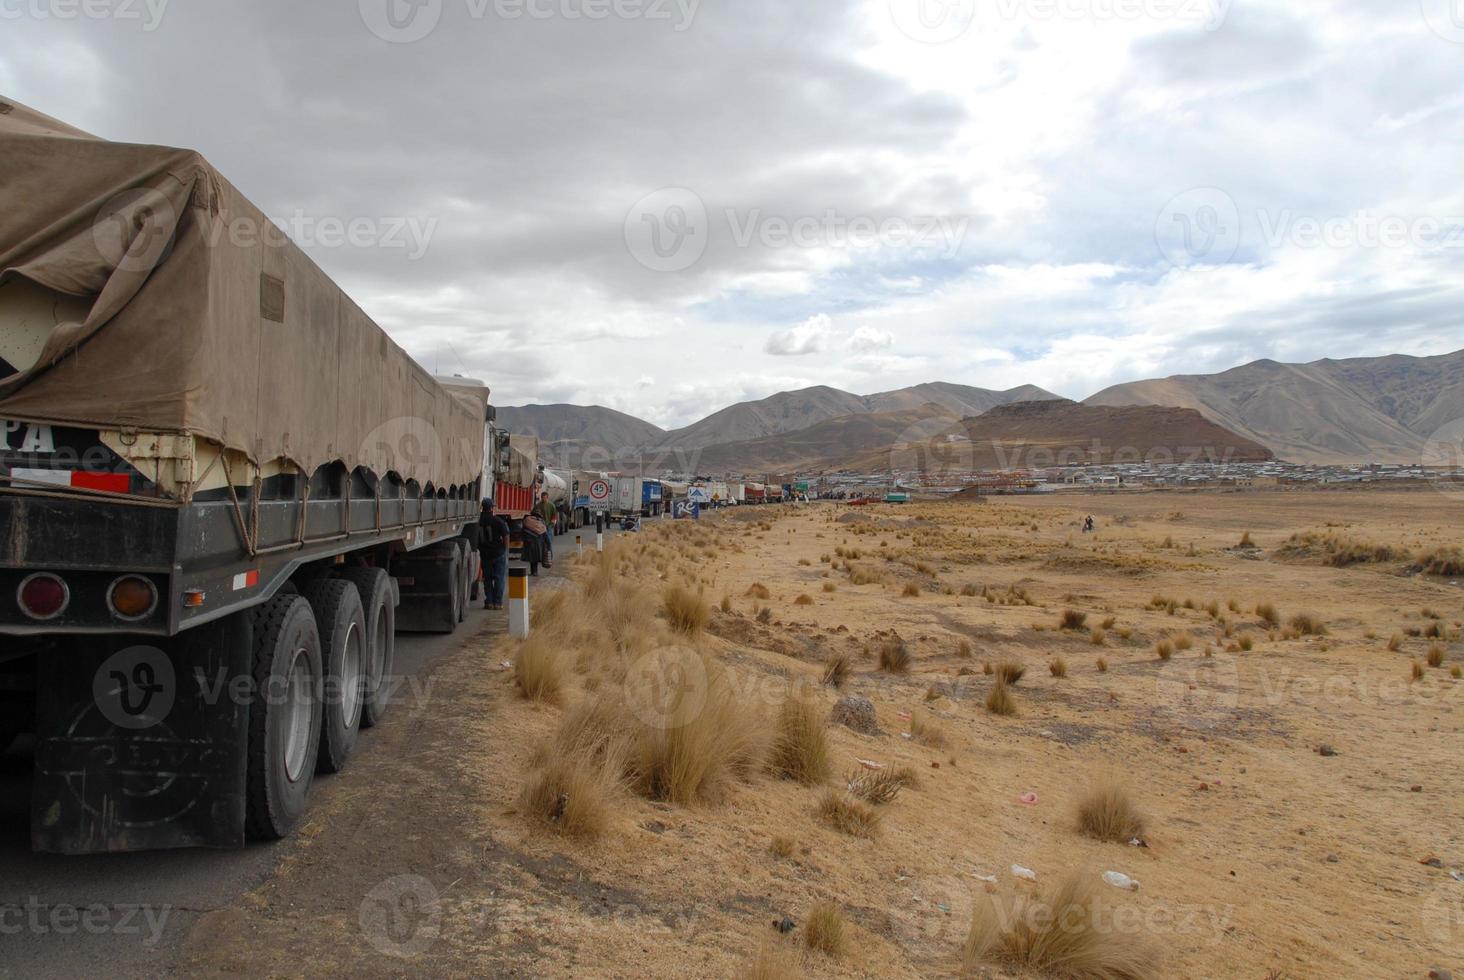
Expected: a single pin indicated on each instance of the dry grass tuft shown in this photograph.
(1058, 667)
(894, 657)
(1447, 561)
(758, 591)
(1000, 701)
(969, 590)
(879, 786)
(837, 670)
(848, 815)
(1456, 672)
(726, 604)
(801, 746)
(685, 610)
(1308, 624)
(1072, 619)
(910, 590)
(830, 587)
(824, 930)
(1183, 641)
(1165, 650)
(925, 729)
(1102, 665)
(1010, 671)
(692, 734)
(773, 962)
(782, 846)
(1107, 813)
(803, 600)
(1416, 671)
(539, 670)
(1268, 614)
(1098, 638)
(1061, 934)
(570, 794)
(1435, 654)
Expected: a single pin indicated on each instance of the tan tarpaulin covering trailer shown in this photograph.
(177, 307)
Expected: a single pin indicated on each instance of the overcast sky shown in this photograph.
(664, 206)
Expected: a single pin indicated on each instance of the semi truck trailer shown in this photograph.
(223, 490)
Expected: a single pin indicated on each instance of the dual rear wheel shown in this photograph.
(321, 667)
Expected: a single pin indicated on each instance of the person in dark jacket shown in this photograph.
(493, 546)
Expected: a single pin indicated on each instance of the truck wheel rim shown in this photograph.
(297, 715)
(351, 677)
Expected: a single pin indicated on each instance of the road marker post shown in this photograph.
(579, 544)
(599, 540)
(518, 603)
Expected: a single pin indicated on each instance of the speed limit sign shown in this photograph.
(600, 493)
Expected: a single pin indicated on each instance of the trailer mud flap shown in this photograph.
(142, 745)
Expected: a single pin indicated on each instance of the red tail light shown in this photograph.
(43, 596)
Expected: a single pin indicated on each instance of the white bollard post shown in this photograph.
(599, 540)
(518, 603)
(579, 544)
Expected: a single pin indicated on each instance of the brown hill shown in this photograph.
(1362, 409)
(565, 429)
(825, 444)
(790, 411)
(1025, 435)
(1034, 435)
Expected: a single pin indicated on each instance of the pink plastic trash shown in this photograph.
(1030, 799)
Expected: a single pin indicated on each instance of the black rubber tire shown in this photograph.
(378, 602)
(342, 625)
(455, 582)
(274, 803)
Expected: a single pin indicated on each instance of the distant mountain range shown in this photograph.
(1368, 409)
(1380, 409)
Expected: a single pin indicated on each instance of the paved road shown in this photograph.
(103, 936)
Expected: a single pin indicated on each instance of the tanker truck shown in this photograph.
(223, 490)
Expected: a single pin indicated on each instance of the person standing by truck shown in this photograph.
(493, 546)
(550, 517)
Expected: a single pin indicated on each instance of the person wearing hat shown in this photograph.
(493, 547)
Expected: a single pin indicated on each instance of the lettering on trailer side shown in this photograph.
(32, 438)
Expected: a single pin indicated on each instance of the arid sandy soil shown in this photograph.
(1266, 856)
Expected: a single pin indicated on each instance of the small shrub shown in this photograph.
(1109, 622)
(1435, 630)
(879, 786)
(988, 669)
(1063, 933)
(1107, 813)
(926, 730)
(1165, 650)
(726, 604)
(1010, 671)
(569, 794)
(968, 591)
(964, 650)
(1058, 667)
(848, 815)
(830, 587)
(758, 591)
(773, 962)
(803, 600)
(804, 562)
(837, 670)
(1183, 641)
(782, 846)
(1435, 655)
(1072, 619)
(1102, 665)
(894, 657)
(1447, 561)
(1395, 643)
(1000, 701)
(1246, 643)
(1417, 671)
(765, 615)
(1456, 672)
(1308, 624)
(539, 671)
(1268, 614)
(824, 930)
(801, 746)
(1246, 541)
(685, 610)
(910, 590)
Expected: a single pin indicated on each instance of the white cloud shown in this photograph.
(809, 337)
(867, 339)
